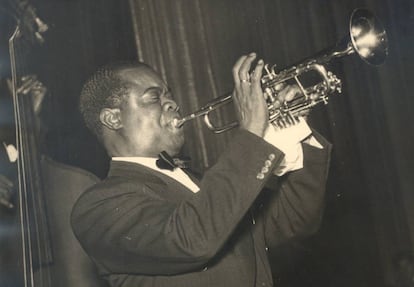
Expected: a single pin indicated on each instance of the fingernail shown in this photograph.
(252, 54)
(260, 61)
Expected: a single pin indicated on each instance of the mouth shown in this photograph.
(177, 123)
(174, 124)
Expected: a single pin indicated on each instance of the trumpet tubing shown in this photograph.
(367, 38)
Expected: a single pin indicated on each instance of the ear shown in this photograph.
(111, 118)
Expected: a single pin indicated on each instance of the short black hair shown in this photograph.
(104, 89)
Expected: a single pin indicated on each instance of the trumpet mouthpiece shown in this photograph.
(178, 123)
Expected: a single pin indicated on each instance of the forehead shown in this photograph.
(141, 78)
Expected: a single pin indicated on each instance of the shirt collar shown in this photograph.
(145, 161)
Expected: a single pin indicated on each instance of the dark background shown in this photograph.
(369, 217)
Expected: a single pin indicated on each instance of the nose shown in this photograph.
(169, 104)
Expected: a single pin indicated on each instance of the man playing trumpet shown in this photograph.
(147, 226)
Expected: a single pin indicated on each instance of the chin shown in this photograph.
(176, 145)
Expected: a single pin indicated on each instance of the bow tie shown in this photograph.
(165, 161)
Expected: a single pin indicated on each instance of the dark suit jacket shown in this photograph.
(144, 229)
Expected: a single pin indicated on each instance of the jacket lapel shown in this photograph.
(153, 179)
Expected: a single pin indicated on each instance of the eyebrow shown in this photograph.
(166, 90)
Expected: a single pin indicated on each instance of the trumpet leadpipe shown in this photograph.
(205, 110)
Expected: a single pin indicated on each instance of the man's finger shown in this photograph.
(236, 69)
(245, 67)
(257, 73)
(288, 93)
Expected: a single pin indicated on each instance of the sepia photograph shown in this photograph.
(206, 143)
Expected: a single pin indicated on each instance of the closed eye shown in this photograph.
(152, 94)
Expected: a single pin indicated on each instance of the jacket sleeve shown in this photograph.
(126, 227)
(295, 209)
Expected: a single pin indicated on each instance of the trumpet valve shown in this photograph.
(269, 95)
(270, 73)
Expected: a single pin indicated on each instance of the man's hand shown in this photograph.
(248, 97)
(283, 94)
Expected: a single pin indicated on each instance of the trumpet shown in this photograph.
(367, 38)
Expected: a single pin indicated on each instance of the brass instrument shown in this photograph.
(367, 38)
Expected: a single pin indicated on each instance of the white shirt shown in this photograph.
(177, 174)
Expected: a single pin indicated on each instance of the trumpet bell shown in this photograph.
(368, 37)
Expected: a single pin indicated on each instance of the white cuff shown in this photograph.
(288, 140)
(293, 160)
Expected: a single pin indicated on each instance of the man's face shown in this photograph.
(147, 113)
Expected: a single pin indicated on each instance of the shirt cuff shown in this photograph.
(288, 140)
(293, 160)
